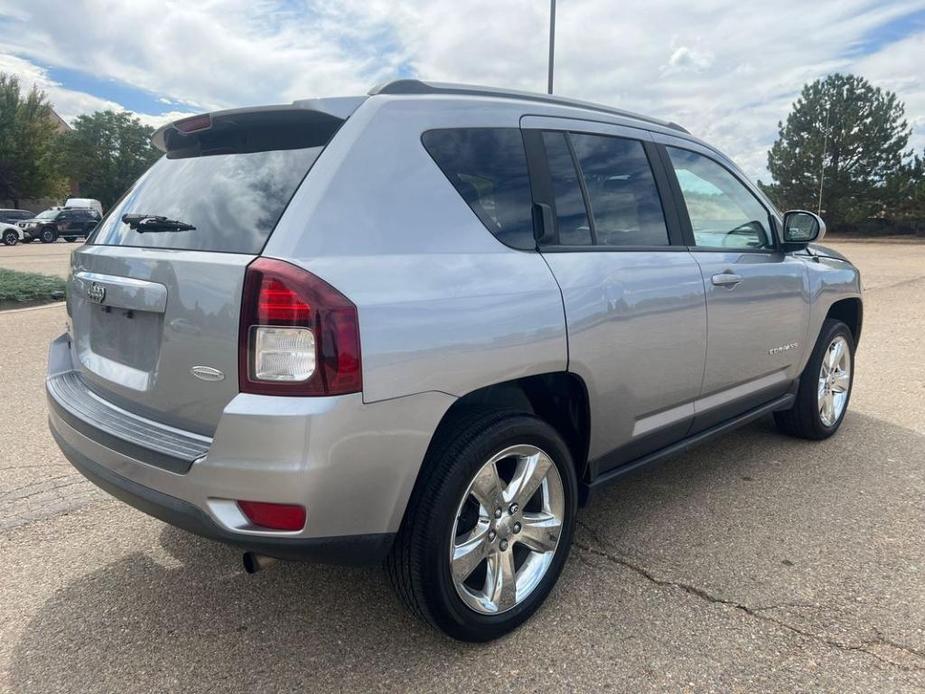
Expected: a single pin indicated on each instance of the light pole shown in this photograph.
(552, 42)
(825, 146)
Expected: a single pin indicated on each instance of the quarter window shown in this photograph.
(625, 206)
(723, 212)
(488, 168)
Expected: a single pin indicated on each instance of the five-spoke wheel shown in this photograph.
(507, 529)
(834, 381)
(488, 526)
(824, 387)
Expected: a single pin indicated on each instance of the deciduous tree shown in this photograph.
(106, 152)
(27, 134)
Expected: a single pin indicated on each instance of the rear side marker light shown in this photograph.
(298, 335)
(274, 516)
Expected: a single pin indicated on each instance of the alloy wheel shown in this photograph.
(834, 381)
(507, 529)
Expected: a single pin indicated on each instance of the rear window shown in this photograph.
(488, 168)
(233, 200)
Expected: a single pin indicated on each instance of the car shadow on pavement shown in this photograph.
(185, 616)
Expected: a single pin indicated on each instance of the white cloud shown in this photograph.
(725, 69)
(686, 59)
(899, 68)
(68, 103)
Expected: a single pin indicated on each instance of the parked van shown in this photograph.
(85, 202)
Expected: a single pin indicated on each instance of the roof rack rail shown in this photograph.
(409, 86)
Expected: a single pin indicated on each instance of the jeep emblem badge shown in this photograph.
(96, 293)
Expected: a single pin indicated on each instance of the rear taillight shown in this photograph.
(298, 335)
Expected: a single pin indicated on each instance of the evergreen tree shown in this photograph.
(847, 138)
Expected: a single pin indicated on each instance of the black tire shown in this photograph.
(803, 419)
(418, 565)
(10, 237)
(48, 236)
(70, 239)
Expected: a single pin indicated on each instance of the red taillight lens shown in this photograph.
(274, 516)
(298, 335)
(277, 303)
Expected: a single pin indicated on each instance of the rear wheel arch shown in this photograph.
(559, 398)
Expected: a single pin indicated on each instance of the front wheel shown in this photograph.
(489, 525)
(48, 236)
(10, 237)
(825, 386)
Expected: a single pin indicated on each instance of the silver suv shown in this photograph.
(420, 326)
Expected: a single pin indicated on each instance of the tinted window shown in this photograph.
(574, 228)
(723, 212)
(488, 168)
(625, 205)
(233, 200)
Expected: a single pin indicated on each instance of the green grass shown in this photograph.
(27, 288)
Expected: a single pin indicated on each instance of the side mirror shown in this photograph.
(802, 227)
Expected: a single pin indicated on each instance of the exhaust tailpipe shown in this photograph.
(254, 562)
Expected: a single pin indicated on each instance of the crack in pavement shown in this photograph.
(45, 484)
(893, 285)
(755, 612)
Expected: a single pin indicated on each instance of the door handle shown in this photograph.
(726, 279)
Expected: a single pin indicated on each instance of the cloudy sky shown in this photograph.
(726, 69)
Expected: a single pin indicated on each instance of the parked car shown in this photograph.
(69, 223)
(9, 231)
(10, 234)
(85, 202)
(421, 326)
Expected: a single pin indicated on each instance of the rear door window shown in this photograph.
(626, 209)
(233, 200)
(488, 168)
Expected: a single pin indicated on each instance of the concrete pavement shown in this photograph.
(755, 563)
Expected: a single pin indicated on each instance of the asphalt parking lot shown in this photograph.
(50, 259)
(755, 563)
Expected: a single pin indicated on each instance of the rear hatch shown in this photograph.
(155, 295)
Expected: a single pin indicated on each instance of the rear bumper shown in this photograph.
(351, 465)
(346, 549)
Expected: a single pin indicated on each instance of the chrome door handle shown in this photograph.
(726, 279)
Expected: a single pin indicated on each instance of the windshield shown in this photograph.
(47, 214)
(233, 200)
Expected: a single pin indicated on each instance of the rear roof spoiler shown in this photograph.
(303, 123)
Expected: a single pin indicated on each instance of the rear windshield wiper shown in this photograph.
(155, 222)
